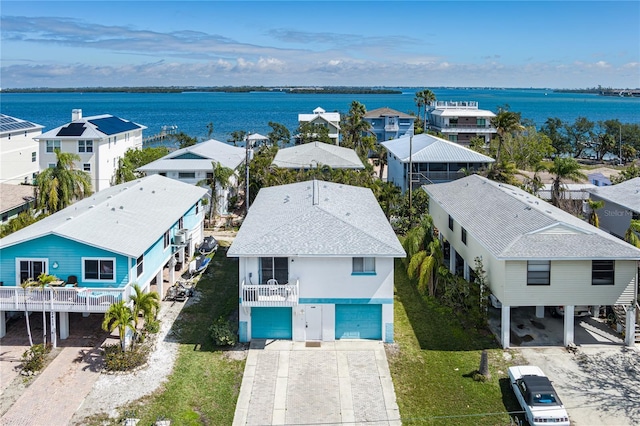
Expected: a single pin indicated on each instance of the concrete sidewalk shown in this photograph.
(342, 382)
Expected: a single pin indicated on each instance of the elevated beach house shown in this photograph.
(387, 123)
(18, 150)
(316, 264)
(433, 159)
(534, 254)
(330, 120)
(194, 164)
(316, 155)
(100, 141)
(461, 121)
(621, 204)
(98, 247)
(15, 199)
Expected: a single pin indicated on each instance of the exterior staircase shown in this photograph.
(620, 312)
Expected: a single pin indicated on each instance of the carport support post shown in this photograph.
(64, 325)
(160, 284)
(505, 328)
(539, 311)
(630, 336)
(568, 325)
(3, 324)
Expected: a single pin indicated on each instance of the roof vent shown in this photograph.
(113, 209)
(70, 217)
(91, 206)
(141, 188)
(121, 207)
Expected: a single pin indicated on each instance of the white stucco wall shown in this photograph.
(16, 150)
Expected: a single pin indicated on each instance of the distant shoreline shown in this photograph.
(241, 89)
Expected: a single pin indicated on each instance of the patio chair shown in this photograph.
(72, 279)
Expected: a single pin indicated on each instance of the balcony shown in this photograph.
(60, 299)
(464, 128)
(270, 295)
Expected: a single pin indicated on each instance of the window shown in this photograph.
(186, 175)
(85, 146)
(197, 207)
(181, 223)
(602, 272)
(450, 222)
(53, 145)
(140, 265)
(30, 269)
(98, 269)
(481, 122)
(453, 138)
(364, 265)
(33, 157)
(538, 272)
(463, 236)
(274, 268)
(167, 239)
(86, 167)
(51, 165)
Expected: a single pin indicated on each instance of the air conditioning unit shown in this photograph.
(180, 238)
(185, 232)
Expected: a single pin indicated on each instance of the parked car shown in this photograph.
(537, 397)
(209, 244)
(578, 311)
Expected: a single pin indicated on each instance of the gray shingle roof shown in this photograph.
(625, 194)
(513, 224)
(344, 221)
(211, 150)
(386, 112)
(430, 149)
(126, 218)
(315, 154)
(12, 196)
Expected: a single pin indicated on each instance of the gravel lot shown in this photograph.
(599, 385)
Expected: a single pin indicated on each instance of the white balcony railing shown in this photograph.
(92, 300)
(270, 295)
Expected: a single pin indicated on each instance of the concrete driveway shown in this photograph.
(342, 382)
(599, 385)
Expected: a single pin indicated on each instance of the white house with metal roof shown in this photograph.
(434, 160)
(461, 121)
(99, 246)
(194, 164)
(534, 254)
(18, 150)
(330, 120)
(315, 155)
(316, 264)
(621, 204)
(100, 141)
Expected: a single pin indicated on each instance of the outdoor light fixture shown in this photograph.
(55, 265)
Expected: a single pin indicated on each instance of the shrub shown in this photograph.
(223, 333)
(152, 327)
(117, 360)
(34, 357)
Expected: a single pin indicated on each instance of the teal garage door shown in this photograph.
(359, 322)
(271, 323)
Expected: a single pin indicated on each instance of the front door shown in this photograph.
(313, 318)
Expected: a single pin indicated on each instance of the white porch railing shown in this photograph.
(55, 299)
(270, 295)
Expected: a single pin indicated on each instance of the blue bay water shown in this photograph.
(252, 112)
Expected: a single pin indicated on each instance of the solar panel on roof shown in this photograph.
(113, 125)
(73, 129)
(15, 125)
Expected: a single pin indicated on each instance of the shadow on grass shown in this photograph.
(216, 295)
(436, 327)
(509, 400)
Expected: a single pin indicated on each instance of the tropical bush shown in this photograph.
(223, 332)
(33, 358)
(115, 359)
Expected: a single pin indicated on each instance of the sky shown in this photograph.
(543, 44)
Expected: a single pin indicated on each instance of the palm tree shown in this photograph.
(119, 315)
(59, 186)
(388, 196)
(505, 122)
(424, 256)
(631, 236)
(353, 127)
(42, 282)
(563, 168)
(593, 215)
(427, 97)
(146, 304)
(218, 181)
(25, 285)
(380, 158)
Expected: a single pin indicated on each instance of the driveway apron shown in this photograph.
(342, 382)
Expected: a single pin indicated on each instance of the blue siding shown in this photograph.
(271, 323)
(67, 253)
(243, 331)
(388, 332)
(359, 322)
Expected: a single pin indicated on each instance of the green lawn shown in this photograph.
(433, 360)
